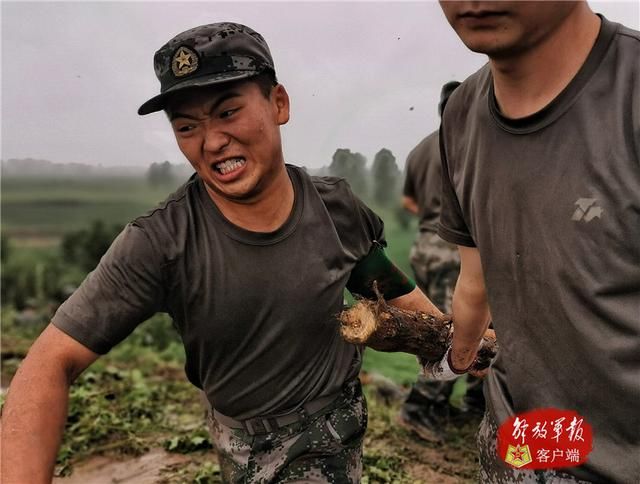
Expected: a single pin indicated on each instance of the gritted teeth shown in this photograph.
(229, 165)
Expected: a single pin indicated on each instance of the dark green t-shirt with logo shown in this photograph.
(552, 202)
(256, 311)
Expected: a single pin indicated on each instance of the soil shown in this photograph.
(149, 468)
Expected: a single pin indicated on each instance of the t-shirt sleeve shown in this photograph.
(124, 290)
(452, 226)
(408, 189)
(356, 224)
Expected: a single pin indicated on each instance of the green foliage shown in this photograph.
(184, 444)
(160, 174)
(85, 247)
(384, 467)
(208, 474)
(386, 176)
(31, 278)
(353, 168)
(403, 217)
(402, 368)
(45, 209)
(118, 409)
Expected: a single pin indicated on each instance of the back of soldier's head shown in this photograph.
(446, 91)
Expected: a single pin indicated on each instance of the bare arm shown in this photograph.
(416, 300)
(471, 315)
(410, 205)
(35, 412)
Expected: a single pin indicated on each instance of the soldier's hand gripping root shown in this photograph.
(383, 327)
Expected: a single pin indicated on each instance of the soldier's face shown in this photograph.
(231, 136)
(505, 29)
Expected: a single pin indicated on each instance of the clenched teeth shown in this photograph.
(230, 165)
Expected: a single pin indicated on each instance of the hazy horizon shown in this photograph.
(361, 75)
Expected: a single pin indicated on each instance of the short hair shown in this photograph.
(266, 81)
(446, 91)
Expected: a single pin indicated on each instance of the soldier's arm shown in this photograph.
(35, 412)
(471, 314)
(410, 204)
(416, 300)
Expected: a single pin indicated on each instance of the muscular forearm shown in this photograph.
(415, 301)
(33, 420)
(471, 319)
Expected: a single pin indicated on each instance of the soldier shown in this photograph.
(250, 257)
(541, 192)
(435, 265)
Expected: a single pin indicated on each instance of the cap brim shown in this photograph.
(158, 103)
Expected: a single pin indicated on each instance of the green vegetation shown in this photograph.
(47, 208)
(401, 368)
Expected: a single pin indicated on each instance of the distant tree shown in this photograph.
(386, 176)
(352, 167)
(160, 174)
(84, 248)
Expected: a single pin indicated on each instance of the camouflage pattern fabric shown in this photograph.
(493, 470)
(436, 265)
(327, 448)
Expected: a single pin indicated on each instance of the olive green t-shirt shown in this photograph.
(552, 202)
(423, 181)
(256, 311)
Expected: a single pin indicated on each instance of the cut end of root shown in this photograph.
(358, 323)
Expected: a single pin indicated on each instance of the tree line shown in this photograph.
(380, 184)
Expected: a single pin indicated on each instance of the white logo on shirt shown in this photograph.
(586, 210)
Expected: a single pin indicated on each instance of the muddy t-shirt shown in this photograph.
(423, 180)
(256, 311)
(552, 202)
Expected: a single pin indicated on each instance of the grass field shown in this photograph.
(47, 208)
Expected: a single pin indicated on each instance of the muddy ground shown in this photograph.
(393, 454)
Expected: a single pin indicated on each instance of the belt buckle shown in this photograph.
(260, 425)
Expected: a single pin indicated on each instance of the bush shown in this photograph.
(85, 247)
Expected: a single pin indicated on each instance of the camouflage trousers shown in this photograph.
(436, 265)
(493, 470)
(327, 448)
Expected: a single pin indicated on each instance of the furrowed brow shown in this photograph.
(215, 105)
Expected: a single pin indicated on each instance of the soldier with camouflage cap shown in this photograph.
(250, 258)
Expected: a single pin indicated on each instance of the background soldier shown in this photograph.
(250, 257)
(435, 264)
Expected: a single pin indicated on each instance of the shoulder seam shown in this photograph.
(632, 34)
(322, 180)
(166, 203)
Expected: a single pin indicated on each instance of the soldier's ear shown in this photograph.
(280, 100)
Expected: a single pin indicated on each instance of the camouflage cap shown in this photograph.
(206, 55)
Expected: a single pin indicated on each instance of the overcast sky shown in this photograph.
(362, 75)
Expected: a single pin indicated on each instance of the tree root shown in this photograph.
(387, 328)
